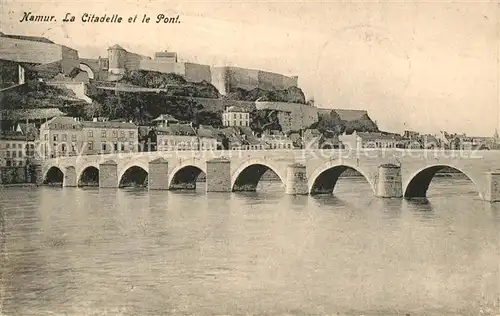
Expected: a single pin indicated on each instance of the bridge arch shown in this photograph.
(184, 176)
(248, 174)
(53, 175)
(88, 175)
(418, 183)
(136, 173)
(324, 178)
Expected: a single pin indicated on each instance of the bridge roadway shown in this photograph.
(390, 172)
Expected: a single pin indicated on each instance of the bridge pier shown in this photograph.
(296, 180)
(70, 177)
(158, 174)
(108, 174)
(388, 183)
(38, 173)
(492, 193)
(218, 175)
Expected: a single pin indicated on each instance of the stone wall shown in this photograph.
(226, 79)
(38, 53)
(301, 115)
(197, 73)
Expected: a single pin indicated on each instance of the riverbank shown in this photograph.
(18, 185)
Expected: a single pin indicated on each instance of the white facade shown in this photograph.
(235, 116)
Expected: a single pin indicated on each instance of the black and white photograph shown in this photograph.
(273, 158)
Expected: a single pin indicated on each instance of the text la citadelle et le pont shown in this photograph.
(102, 18)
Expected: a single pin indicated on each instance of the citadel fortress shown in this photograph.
(42, 54)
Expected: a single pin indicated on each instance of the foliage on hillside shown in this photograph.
(142, 107)
(292, 94)
(34, 94)
(176, 84)
(264, 120)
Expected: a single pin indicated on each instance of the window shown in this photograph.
(8, 145)
(122, 134)
(63, 147)
(115, 133)
(73, 138)
(90, 134)
(55, 138)
(64, 137)
(131, 145)
(104, 147)
(241, 116)
(131, 134)
(234, 116)
(46, 137)
(123, 147)
(103, 134)
(14, 154)
(7, 154)
(115, 145)
(90, 145)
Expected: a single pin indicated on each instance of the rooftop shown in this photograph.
(177, 129)
(109, 124)
(236, 108)
(165, 117)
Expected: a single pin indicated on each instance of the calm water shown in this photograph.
(130, 252)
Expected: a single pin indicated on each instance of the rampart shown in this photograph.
(25, 51)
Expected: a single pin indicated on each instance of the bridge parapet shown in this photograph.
(322, 167)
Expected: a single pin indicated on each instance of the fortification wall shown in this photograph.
(218, 105)
(133, 61)
(219, 79)
(38, 52)
(273, 81)
(301, 115)
(197, 72)
(226, 79)
(70, 59)
(163, 67)
(247, 79)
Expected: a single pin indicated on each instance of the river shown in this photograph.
(68, 251)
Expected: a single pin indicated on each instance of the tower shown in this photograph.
(116, 56)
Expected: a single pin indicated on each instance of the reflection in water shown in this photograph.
(135, 252)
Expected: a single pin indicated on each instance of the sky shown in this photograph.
(425, 66)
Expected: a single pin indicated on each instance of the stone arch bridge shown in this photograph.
(390, 172)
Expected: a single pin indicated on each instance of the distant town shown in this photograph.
(56, 103)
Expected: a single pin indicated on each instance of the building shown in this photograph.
(164, 120)
(67, 136)
(235, 116)
(177, 137)
(276, 141)
(358, 140)
(207, 138)
(18, 147)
